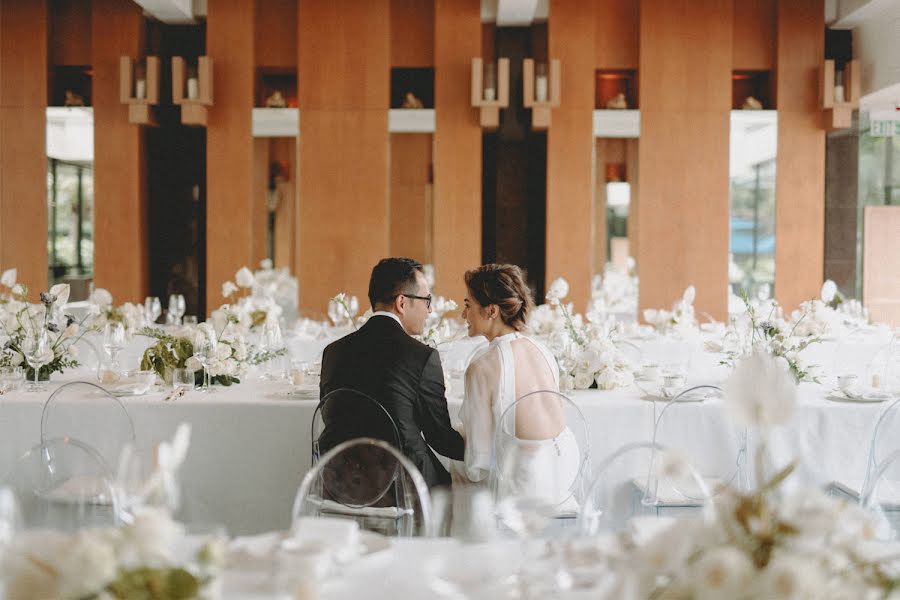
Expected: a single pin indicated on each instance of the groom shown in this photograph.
(401, 373)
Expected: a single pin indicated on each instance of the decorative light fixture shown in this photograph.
(541, 90)
(139, 88)
(490, 90)
(839, 93)
(192, 89)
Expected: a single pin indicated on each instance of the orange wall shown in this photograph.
(120, 190)
(23, 153)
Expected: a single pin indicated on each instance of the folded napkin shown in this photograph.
(381, 512)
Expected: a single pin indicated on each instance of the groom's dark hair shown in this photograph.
(392, 277)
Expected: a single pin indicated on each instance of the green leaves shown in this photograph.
(154, 584)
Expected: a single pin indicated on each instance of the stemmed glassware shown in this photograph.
(113, 343)
(205, 345)
(38, 352)
(271, 340)
(152, 309)
(176, 308)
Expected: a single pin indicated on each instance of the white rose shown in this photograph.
(244, 277)
(223, 351)
(583, 380)
(228, 288)
(8, 278)
(566, 382)
(240, 349)
(101, 297)
(193, 364)
(87, 566)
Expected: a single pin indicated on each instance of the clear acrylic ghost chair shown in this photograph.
(87, 412)
(631, 352)
(882, 443)
(880, 495)
(673, 355)
(351, 414)
(857, 352)
(554, 469)
(64, 484)
(884, 370)
(88, 354)
(612, 499)
(368, 481)
(715, 449)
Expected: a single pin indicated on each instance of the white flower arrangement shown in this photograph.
(816, 318)
(587, 354)
(258, 303)
(439, 329)
(748, 333)
(342, 309)
(134, 561)
(279, 286)
(613, 292)
(768, 542)
(680, 320)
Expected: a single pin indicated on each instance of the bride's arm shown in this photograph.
(478, 416)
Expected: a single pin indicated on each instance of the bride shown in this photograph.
(539, 456)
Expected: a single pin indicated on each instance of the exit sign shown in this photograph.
(885, 123)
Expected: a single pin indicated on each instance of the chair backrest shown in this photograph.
(858, 352)
(64, 484)
(880, 495)
(707, 440)
(553, 467)
(631, 352)
(883, 441)
(346, 414)
(371, 482)
(85, 411)
(612, 499)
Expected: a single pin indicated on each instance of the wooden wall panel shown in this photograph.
(229, 145)
(70, 32)
(261, 159)
(754, 35)
(276, 33)
(344, 54)
(570, 152)
(23, 153)
(410, 225)
(412, 33)
(344, 77)
(601, 156)
(616, 36)
(881, 277)
(457, 148)
(120, 190)
(285, 149)
(683, 207)
(800, 167)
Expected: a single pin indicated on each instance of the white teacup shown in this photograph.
(673, 381)
(650, 371)
(847, 381)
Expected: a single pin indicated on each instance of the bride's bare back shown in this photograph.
(540, 416)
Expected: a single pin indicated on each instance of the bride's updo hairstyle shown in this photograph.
(503, 285)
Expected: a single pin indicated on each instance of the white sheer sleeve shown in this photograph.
(477, 413)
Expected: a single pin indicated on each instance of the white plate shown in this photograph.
(661, 394)
(862, 397)
(300, 392)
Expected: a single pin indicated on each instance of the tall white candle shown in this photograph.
(140, 89)
(489, 94)
(540, 88)
(193, 88)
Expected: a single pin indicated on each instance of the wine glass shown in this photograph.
(205, 345)
(113, 342)
(176, 308)
(152, 309)
(38, 352)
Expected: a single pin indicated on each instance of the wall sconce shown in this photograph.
(541, 90)
(839, 94)
(192, 89)
(490, 90)
(139, 88)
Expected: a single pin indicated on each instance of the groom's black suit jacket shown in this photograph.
(405, 376)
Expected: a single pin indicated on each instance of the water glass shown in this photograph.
(11, 378)
(176, 308)
(183, 379)
(113, 342)
(205, 345)
(271, 340)
(190, 319)
(152, 309)
(38, 352)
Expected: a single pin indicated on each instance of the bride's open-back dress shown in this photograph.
(547, 457)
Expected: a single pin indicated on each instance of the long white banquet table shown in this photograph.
(251, 446)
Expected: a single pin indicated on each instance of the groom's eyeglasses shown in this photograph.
(427, 299)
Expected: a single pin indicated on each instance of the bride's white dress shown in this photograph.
(543, 468)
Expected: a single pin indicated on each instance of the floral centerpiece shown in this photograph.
(587, 353)
(614, 291)
(131, 316)
(233, 354)
(680, 320)
(20, 320)
(137, 561)
(774, 541)
(250, 307)
(278, 285)
(771, 335)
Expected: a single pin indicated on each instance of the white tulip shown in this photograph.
(559, 289)
(244, 277)
(266, 264)
(8, 278)
(61, 291)
(687, 299)
(228, 288)
(829, 291)
(761, 391)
